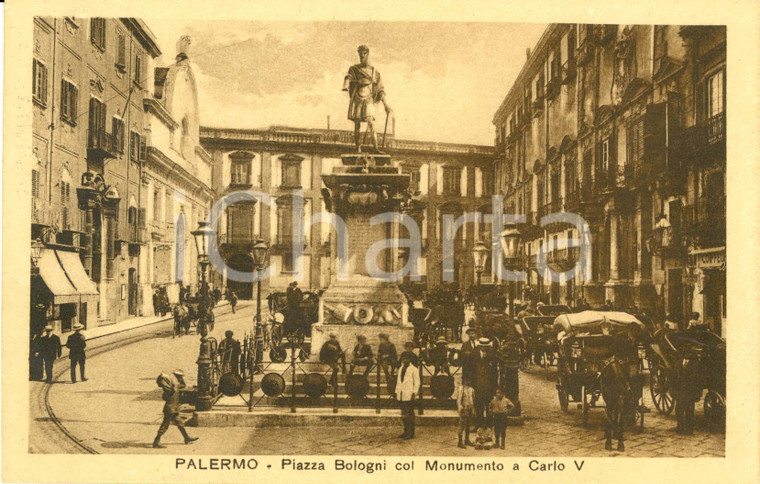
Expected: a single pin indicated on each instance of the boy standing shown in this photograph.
(499, 407)
(466, 408)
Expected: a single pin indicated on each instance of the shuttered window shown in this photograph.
(39, 82)
(98, 33)
(69, 98)
(35, 184)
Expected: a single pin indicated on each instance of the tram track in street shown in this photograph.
(58, 438)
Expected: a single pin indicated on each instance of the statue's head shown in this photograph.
(363, 51)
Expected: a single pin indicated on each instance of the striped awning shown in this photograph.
(65, 277)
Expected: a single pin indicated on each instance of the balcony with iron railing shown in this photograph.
(705, 217)
(569, 70)
(701, 136)
(716, 128)
(100, 144)
(287, 240)
(563, 258)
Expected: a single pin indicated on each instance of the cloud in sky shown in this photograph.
(444, 80)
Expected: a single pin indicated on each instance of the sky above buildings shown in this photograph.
(444, 81)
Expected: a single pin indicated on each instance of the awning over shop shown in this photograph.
(72, 265)
(65, 277)
(55, 278)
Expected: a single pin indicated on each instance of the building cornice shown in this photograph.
(162, 161)
(153, 106)
(143, 34)
(335, 140)
(537, 57)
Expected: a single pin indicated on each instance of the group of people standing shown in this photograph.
(479, 399)
(46, 348)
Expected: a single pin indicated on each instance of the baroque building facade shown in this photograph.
(286, 164)
(623, 125)
(118, 175)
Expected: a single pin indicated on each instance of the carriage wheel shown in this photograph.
(659, 388)
(564, 401)
(715, 411)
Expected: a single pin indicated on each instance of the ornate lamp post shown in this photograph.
(205, 396)
(479, 255)
(259, 255)
(510, 241)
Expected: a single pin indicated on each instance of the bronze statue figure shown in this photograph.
(365, 88)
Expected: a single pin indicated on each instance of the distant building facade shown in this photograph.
(176, 181)
(625, 126)
(287, 164)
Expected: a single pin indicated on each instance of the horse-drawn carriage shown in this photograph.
(292, 324)
(540, 341)
(600, 357)
(670, 347)
(193, 312)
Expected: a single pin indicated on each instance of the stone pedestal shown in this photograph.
(364, 186)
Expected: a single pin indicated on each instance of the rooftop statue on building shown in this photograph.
(365, 88)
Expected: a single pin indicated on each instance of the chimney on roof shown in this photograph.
(527, 53)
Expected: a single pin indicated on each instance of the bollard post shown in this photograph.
(293, 369)
(377, 409)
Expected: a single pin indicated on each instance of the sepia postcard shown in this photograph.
(334, 242)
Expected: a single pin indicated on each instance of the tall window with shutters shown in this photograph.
(69, 97)
(35, 184)
(715, 94)
(121, 54)
(117, 128)
(65, 200)
(98, 33)
(39, 82)
(635, 142)
(97, 124)
(452, 180)
(138, 69)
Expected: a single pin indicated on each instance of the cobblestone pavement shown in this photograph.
(119, 409)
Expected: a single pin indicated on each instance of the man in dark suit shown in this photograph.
(484, 363)
(363, 356)
(332, 354)
(50, 349)
(387, 358)
(76, 345)
(466, 352)
(171, 407)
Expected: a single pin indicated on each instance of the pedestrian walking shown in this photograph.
(363, 356)
(465, 398)
(233, 300)
(171, 389)
(407, 388)
(387, 359)
(156, 303)
(499, 407)
(36, 364)
(76, 344)
(50, 349)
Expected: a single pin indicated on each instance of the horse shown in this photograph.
(619, 392)
(181, 319)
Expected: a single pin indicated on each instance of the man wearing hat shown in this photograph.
(229, 351)
(50, 349)
(171, 407)
(387, 357)
(407, 389)
(468, 349)
(409, 350)
(363, 355)
(76, 345)
(439, 356)
(484, 379)
(331, 353)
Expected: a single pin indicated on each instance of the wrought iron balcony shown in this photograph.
(100, 144)
(568, 71)
(585, 52)
(702, 216)
(573, 199)
(716, 128)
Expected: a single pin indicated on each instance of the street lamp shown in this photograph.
(510, 242)
(37, 247)
(259, 255)
(205, 390)
(479, 255)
